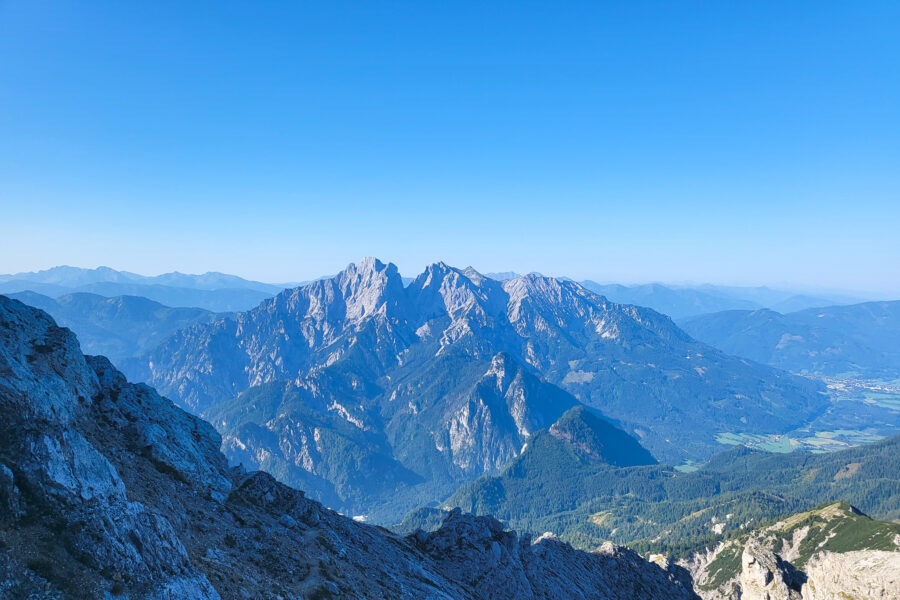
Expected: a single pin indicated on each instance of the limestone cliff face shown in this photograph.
(616, 358)
(864, 574)
(489, 425)
(765, 576)
(108, 490)
(827, 553)
(70, 524)
(861, 575)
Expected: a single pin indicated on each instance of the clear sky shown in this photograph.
(724, 142)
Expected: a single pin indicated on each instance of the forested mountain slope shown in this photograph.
(553, 487)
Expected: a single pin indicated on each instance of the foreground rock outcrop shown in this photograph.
(108, 490)
(862, 574)
(831, 552)
(765, 576)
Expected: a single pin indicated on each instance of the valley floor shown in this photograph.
(861, 411)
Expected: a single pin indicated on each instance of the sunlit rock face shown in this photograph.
(415, 369)
(818, 554)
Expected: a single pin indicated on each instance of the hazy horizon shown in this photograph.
(863, 295)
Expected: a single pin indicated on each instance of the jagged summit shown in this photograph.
(408, 361)
(629, 362)
(460, 295)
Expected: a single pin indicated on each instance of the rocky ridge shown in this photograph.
(830, 552)
(409, 366)
(108, 490)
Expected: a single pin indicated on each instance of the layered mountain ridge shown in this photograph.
(217, 292)
(407, 365)
(119, 328)
(681, 302)
(858, 340)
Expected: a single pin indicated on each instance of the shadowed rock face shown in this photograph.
(108, 488)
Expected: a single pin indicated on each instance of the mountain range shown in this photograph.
(70, 277)
(107, 490)
(217, 292)
(858, 340)
(680, 302)
(222, 292)
(432, 384)
(120, 328)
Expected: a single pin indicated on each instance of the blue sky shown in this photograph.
(720, 142)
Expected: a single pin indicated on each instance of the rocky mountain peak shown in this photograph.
(370, 287)
(473, 275)
(463, 295)
(544, 299)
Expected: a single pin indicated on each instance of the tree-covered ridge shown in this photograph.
(589, 435)
(550, 487)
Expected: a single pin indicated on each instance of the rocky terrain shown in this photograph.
(108, 490)
(444, 379)
(830, 552)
